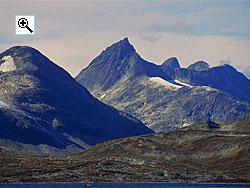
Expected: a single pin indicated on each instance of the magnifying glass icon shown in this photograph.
(23, 23)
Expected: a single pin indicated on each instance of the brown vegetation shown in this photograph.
(199, 153)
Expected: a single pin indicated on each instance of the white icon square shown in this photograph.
(25, 25)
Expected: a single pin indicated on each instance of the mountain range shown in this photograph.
(166, 96)
(53, 129)
(43, 109)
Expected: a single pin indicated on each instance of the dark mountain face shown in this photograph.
(166, 96)
(42, 104)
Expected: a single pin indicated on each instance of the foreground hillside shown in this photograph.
(203, 152)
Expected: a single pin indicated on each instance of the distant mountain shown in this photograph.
(42, 105)
(204, 152)
(169, 66)
(225, 78)
(171, 63)
(166, 96)
(199, 66)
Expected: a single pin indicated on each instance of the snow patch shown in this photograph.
(184, 84)
(186, 124)
(207, 88)
(101, 97)
(167, 84)
(8, 64)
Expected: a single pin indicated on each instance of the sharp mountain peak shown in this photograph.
(120, 49)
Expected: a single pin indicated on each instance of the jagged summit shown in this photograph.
(199, 66)
(112, 64)
(120, 49)
(124, 42)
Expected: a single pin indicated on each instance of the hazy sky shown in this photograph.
(72, 33)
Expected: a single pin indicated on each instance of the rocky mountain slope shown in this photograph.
(203, 152)
(42, 105)
(166, 96)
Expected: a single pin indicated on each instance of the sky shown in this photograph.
(72, 33)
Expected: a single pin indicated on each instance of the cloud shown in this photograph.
(151, 37)
(179, 26)
(227, 18)
(154, 32)
(225, 61)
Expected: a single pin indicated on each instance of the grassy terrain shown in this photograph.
(203, 152)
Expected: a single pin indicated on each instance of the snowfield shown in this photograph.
(184, 84)
(167, 84)
(175, 84)
(8, 65)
